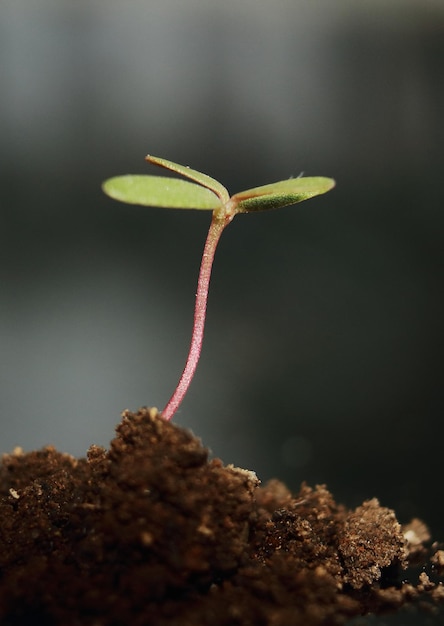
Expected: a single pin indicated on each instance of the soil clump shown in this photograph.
(153, 532)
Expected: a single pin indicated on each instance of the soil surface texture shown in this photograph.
(154, 533)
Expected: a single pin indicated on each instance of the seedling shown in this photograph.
(207, 195)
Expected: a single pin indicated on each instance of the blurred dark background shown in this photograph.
(324, 345)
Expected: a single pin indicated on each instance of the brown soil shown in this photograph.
(152, 532)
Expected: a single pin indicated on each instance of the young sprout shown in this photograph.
(206, 194)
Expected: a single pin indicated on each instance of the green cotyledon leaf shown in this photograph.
(281, 194)
(160, 191)
(187, 172)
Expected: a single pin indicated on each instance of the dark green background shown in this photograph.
(323, 351)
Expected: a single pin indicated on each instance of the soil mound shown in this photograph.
(153, 532)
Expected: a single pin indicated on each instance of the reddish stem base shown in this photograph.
(200, 309)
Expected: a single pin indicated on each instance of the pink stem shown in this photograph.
(200, 309)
